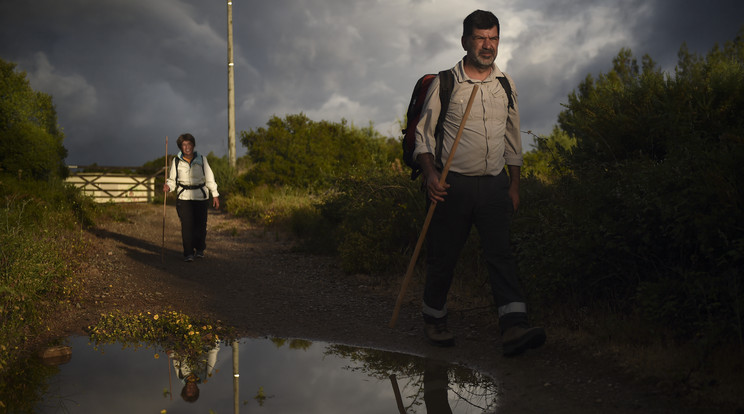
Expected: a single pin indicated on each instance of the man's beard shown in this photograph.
(483, 63)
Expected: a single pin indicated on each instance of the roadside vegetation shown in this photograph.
(41, 221)
(630, 235)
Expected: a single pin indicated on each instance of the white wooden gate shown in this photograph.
(110, 186)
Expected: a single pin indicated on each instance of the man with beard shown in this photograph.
(478, 190)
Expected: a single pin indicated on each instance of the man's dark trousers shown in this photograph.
(482, 201)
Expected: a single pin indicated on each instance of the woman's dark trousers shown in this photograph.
(193, 215)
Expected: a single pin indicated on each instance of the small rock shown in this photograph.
(56, 355)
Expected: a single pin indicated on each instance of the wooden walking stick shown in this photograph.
(430, 213)
(165, 197)
(396, 391)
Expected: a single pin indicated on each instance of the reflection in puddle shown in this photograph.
(262, 375)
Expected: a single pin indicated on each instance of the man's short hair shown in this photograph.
(480, 19)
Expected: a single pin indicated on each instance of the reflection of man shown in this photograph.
(435, 388)
(191, 377)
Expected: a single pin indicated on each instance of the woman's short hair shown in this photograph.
(185, 137)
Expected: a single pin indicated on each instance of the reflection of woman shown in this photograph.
(193, 180)
(191, 378)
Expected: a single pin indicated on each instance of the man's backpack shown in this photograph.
(413, 115)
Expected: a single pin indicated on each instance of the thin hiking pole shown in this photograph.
(165, 197)
(170, 383)
(430, 213)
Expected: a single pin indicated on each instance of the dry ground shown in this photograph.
(252, 280)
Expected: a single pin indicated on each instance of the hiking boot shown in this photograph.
(518, 339)
(199, 254)
(438, 334)
(189, 258)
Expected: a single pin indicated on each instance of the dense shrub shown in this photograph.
(302, 153)
(647, 217)
(375, 219)
(227, 177)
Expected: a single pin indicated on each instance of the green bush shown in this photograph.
(377, 220)
(227, 177)
(301, 153)
(645, 219)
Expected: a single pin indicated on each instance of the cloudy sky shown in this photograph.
(124, 74)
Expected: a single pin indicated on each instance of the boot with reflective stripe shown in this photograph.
(518, 339)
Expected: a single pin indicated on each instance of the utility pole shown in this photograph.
(236, 377)
(230, 88)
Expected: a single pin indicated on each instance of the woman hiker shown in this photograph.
(193, 180)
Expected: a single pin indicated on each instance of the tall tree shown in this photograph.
(30, 139)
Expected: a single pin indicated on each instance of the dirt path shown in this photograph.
(252, 280)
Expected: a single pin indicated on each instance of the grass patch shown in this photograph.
(272, 207)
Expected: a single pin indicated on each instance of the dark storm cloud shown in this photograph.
(699, 24)
(136, 71)
(564, 41)
(126, 73)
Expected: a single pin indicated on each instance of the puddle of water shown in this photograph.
(274, 376)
